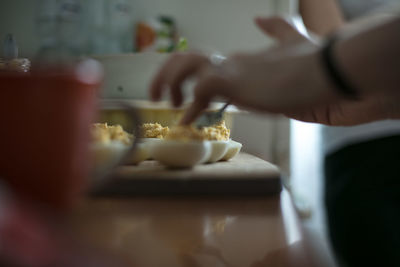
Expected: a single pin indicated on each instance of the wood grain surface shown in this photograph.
(243, 175)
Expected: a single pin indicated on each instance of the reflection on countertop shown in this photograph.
(190, 231)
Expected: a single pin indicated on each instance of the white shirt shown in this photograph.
(356, 8)
(334, 138)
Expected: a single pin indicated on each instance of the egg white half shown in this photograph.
(181, 154)
(233, 149)
(218, 150)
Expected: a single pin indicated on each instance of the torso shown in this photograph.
(335, 138)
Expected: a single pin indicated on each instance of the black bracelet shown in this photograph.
(338, 78)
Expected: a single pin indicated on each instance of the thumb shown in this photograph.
(279, 28)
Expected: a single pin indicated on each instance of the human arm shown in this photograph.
(290, 79)
(371, 59)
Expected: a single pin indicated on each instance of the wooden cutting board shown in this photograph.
(243, 175)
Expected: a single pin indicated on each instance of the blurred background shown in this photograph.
(132, 38)
(222, 25)
(111, 27)
(118, 32)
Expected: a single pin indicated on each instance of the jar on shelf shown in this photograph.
(10, 60)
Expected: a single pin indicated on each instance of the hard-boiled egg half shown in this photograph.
(182, 147)
(147, 144)
(218, 135)
(233, 149)
(141, 153)
(109, 145)
(151, 133)
(218, 150)
(106, 155)
(186, 146)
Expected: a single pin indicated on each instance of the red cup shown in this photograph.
(44, 136)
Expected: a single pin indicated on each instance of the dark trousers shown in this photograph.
(362, 197)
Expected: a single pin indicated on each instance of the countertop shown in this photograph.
(194, 231)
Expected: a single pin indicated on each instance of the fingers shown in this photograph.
(172, 74)
(278, 28)
(195, 109)
(157, 85)
(206, 89)
(178, 68)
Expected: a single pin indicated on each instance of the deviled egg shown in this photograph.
(110, 143)
(218, 132)
(218, 135)
(182, 147)
(181, 154)
(218, 150)
(153, 131)
(148, 143)
(106, 155)
(150, 133)
(141, 153)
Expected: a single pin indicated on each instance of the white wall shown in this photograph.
(17, 17)
(286, 7)
(224, 25)
(214, 25)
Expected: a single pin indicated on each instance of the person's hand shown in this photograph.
(286, 79)
(271, 80)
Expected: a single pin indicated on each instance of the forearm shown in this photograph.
(371, 59)
(321, 16)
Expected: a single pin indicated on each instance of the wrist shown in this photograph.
(335, 72)
(305, 72)
(324, 89)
